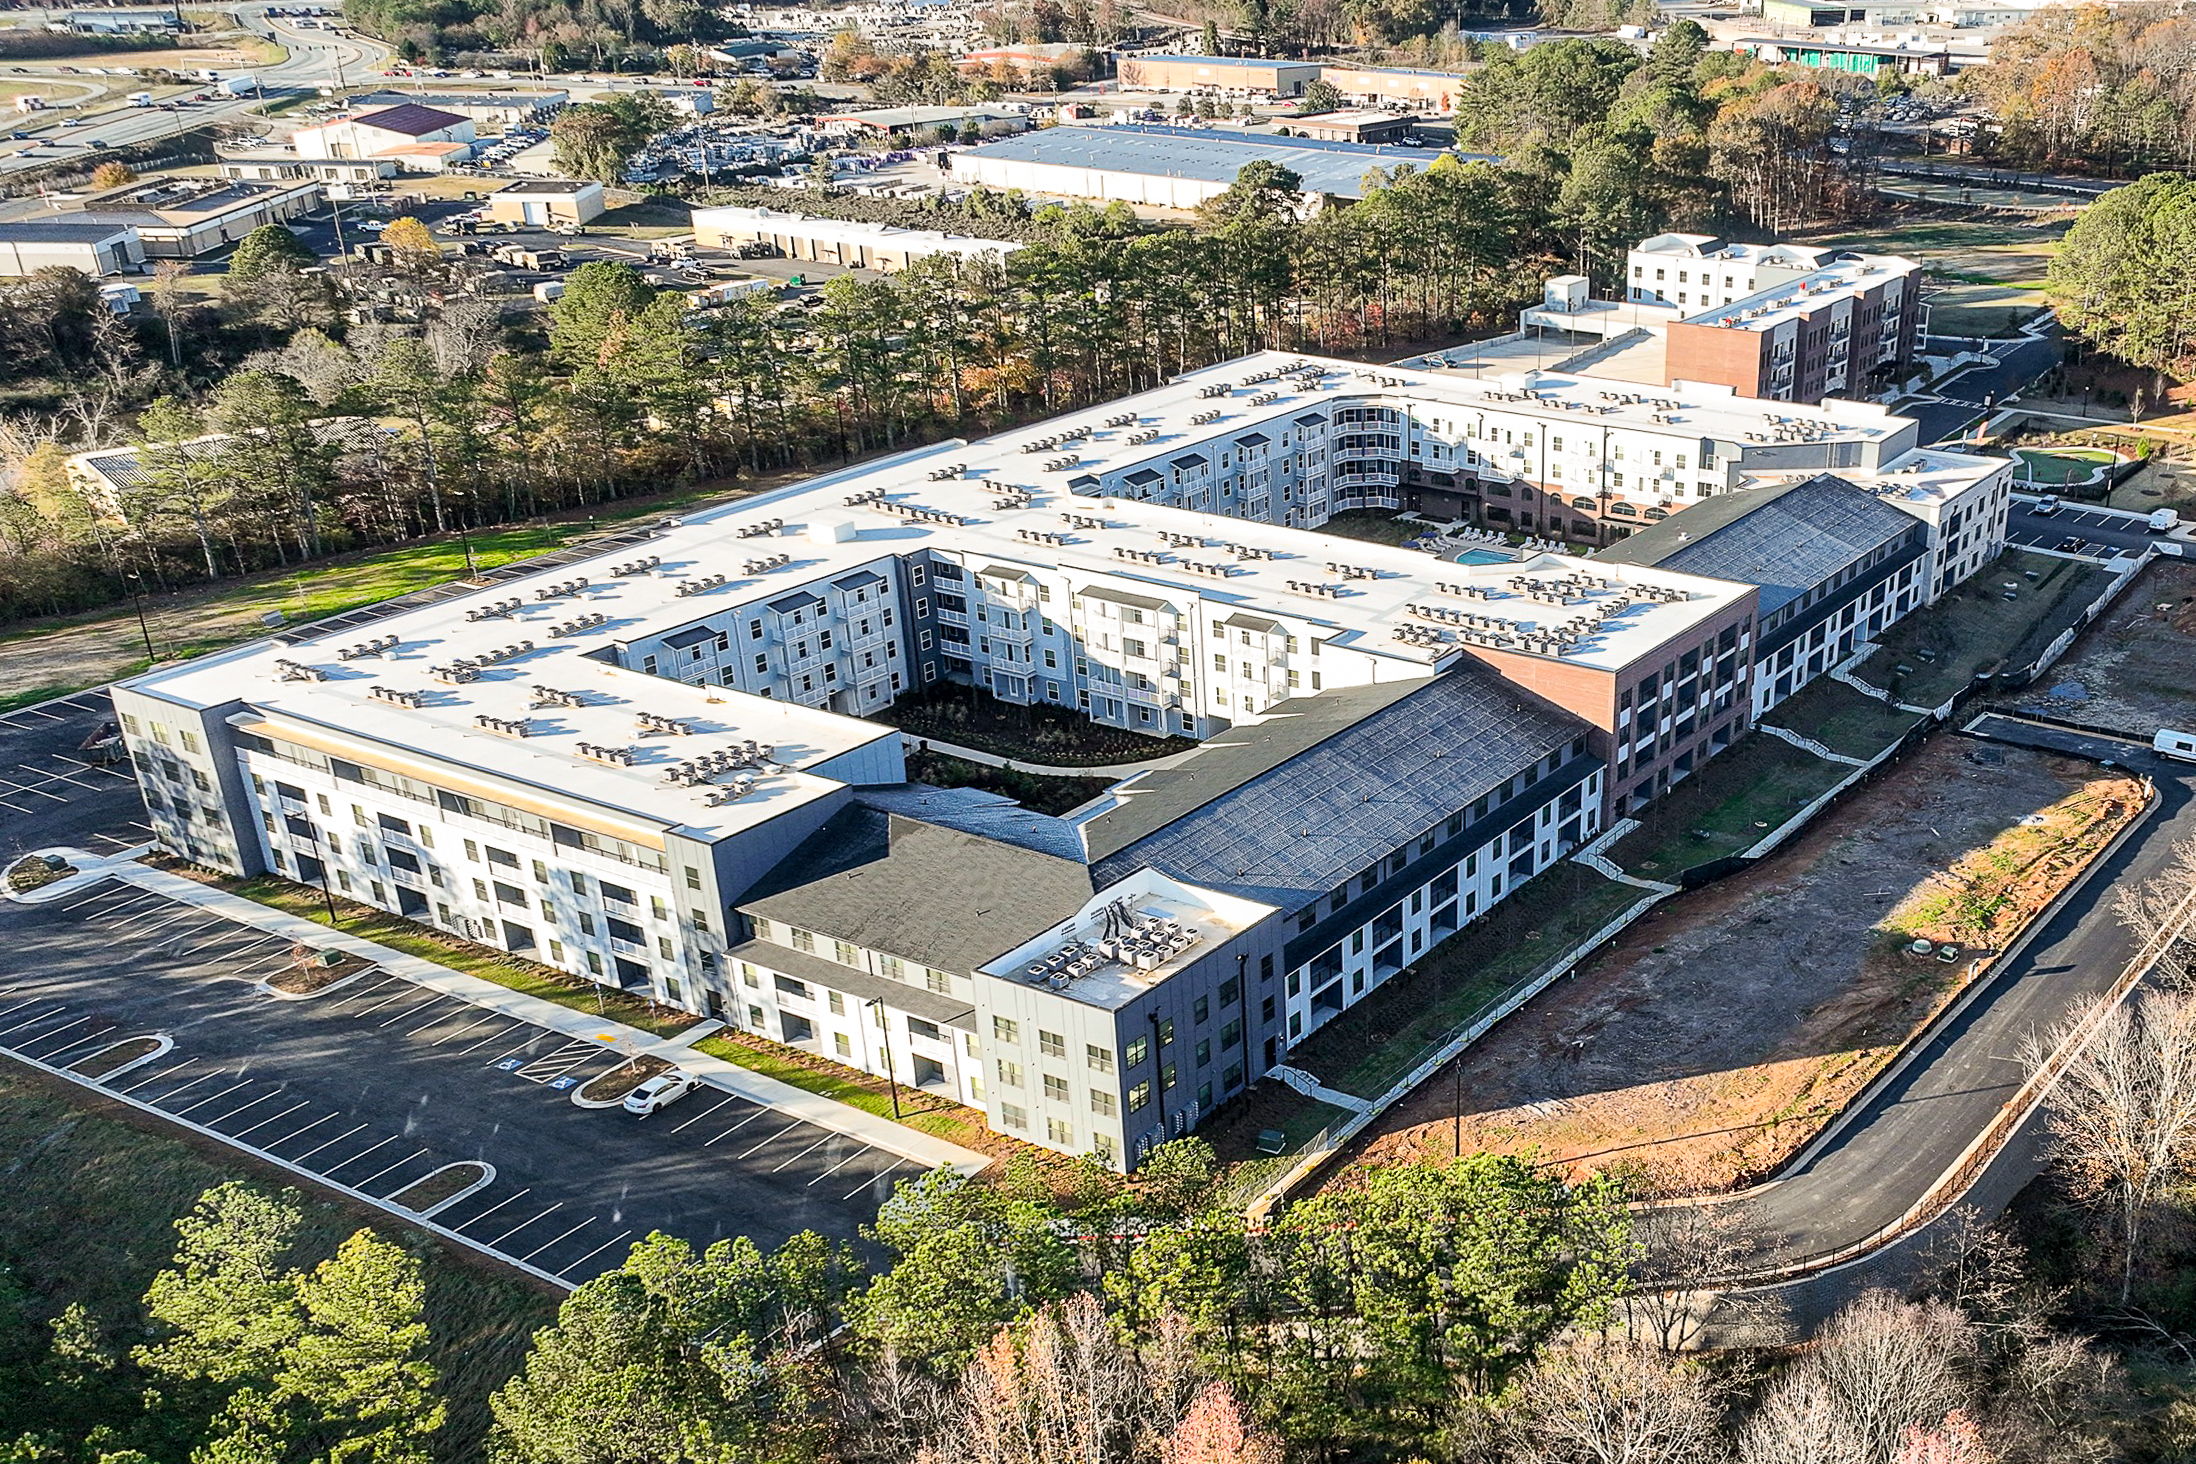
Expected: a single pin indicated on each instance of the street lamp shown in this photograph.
(885, 1027)
(137, 602)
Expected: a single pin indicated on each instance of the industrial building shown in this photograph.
(492, 111)
(914, 122)
(1362, 126)
(399, 132)
(188, 217)
(539, 201)
(1389, 86)
(72, 242)
(1230, 76)
(1866, 58)
(835, 241)
(652, 768)
(1166, 167)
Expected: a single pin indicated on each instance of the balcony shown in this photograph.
(633, 948)
(952, 617)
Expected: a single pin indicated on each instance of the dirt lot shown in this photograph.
(2134, 671)
(1723, 1030)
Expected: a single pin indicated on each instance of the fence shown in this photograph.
(1314, 1154)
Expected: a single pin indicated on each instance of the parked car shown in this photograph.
(660, 1091)
(2045, 507)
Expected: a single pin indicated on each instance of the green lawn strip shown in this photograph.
(1269, 1103)
(924, 1112)
(1370, 1046)
(1976, 629)
(521, 976)
(1742, 793)
(91, 1216)
(1842, 719)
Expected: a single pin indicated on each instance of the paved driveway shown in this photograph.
(51, 795)
(379, 1083)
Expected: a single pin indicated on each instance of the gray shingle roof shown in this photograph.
(1786, 538)
(1322, 801)
(861, 985)
(919, 891)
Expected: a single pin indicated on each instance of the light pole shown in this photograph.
(885, 1026)
(137, 602)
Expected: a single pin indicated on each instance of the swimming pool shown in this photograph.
(1485, 556)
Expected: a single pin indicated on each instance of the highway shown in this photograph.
(316, 58)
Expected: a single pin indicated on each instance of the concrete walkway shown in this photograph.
(867, 1128)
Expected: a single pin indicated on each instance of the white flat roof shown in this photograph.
(1772, 304)
(826, 537)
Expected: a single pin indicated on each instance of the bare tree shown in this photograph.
(2122, 1116)
(464, 334)
(1609, 1401)
(1686, 1251)
(1058, 1389)
(2155, 910)
(1880, 1366)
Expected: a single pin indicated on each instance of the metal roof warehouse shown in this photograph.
(1168, 166)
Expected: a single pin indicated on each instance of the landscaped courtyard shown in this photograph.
(968, 716)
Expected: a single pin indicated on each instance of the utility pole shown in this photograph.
(137, 601)
(884, 1025)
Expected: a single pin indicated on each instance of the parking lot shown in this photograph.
(377, 1084)
(51, 793)
(2087, 531)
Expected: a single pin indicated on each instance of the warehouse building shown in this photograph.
(186, 218)
(539, 201)
(1388, 86)
(72, 242)
(921, 122)
(491, 111)
(1167, 167)
(1362, 126)
(652, 769)
(845, 242)
(1227, 76)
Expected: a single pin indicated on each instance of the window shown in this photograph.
(1100, 1060)
(1201, 1009)
(938, 981)
(1013, 1115)
(1139, 1095)
(1166, 1031)
(1101, 1102)
(1060, 1131)
(1135, 1053)
(1010, 1073)
(1056, 1088)
(1051, 1044)
(844, 1047)
(846, 954)
(803, 940)
(1005, 1030)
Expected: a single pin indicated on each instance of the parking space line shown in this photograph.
(217, 1097)
(369, 1179)
(160, 906)
(16, 787)
(184, 1087)
(409, 990)
(177, 918)
(491, 1037)
(285, 1113)
(315, 1149)
(865, 1184)
(293, 1133)
(102, 1035)
(743, 1123)
(63, 777)
(433, 999)
(363, 992)
(812, 1148)
(224, 1118)
(529, 1042)
(106, 891)
(781, 1133)
(526, 1222)
(507, 1199)
(834, 1169)
(460, 1032)
(598, 1250)
(331, 1169)
(34, 1021)
(537, 1250)
(27, 1043)
(31, 1001)
(156, 1077)
(712, 1108)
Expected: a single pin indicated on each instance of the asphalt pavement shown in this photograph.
(1915, 1127)
(378, 1084)
(52, 793)
(2094, 532)
(1953, 405)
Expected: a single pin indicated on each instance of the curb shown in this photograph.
(266, 988)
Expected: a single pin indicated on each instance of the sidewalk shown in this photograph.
(880, 1133)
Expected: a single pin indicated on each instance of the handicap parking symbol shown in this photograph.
(510, 1064)
(561, 1083)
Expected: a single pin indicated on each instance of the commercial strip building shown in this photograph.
(1915, 57)
(73, 242)
(1389, 86)
(185, 218)
(398, 132)
(1362, 126)
(493, 111)
(1166, 167)
(651, 769)
(835, 241)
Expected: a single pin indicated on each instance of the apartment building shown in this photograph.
(652, 769)
(1779, 321)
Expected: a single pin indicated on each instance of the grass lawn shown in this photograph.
(1378, 525)
(1269, 1104)
(1375, 1043)
(94, 1193)
(1935, 653)
(1032, 790)
(967, 716)
(1843, 719)
(651, 218)
(2059, 466)
(413, 939)
(1985, 310)
(1728, 806)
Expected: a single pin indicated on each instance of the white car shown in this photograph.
(660, 1091)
